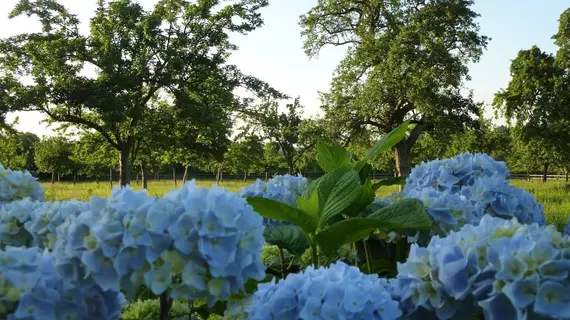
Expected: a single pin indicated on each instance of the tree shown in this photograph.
(245, 155)
(28, 141)
(179, 48)
(538, 99)
(54, 155)
(294, 136)
(272, 158)
(94, 156)
(12, 154)
(406, 60)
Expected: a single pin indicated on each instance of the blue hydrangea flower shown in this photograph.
(196, 242)
(15, 185)
(460, 190)
(335, 292)
(13, 217)
(501, 269)
(30, 288)
(283, 188)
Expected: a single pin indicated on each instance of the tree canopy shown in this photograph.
(406, 60)
(105, 80)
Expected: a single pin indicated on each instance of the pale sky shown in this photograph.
(274, 52)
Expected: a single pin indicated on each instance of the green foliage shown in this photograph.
(290, 238)
(245, 155)
(537, 99)
(406, 61)
(177, 51)
(54, 155)
(330, 212)
(292, 136)
(94, 156)
(12, 154)
(150, 310)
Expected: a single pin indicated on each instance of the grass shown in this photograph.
(554, 195)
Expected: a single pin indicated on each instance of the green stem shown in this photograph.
(315, 256)
(282, 261)
(368, 257)
(354, 248)
(165, 305)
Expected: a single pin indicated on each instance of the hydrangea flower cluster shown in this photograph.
(335, 292)
(200, 243)
(15, 185)
(462, 189)
(33, 223)
(283, 188)
(31, 289)
(500, 268)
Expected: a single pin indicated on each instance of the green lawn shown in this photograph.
(553, 194)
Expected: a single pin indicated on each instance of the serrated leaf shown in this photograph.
(364, 198)
(337, 190)
(290, 238)
(344, 232)
(280, 211)
(310, 204)
(396, 181)
(404, 214)
(331, 156)
(388, 141)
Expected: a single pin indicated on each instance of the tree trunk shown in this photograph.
(266, 175)
(124, 172)
(245, 176)
(74, 178)
(143, 177)
(218, 175)
(111, 178)
(58, 177)
(174, 175)
(545, 172)
(52, 177)
(185, 176)
(403, 159)
(137, 179)
(97, 179)
(566, 173)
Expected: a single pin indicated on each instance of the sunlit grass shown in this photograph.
(554, 195)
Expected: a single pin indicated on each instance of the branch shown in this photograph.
(78, 120)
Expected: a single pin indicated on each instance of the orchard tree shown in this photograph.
(94, 156)
(245, 155)
(406, 60)
(538, 99)
(294, 136)
(12, 154)
(54, 155)
(179, 48)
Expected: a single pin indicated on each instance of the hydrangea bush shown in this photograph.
(501, 269)
(283, 188)
(15, 185)
(335, 292)
(195, 242)
(461, 190)
(30, 288)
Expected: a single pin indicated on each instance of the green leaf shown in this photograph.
(388, 141)
(290, 238)
(404, 214)
(344, 232)
(310, 204)
(311, 187)
(364, 173)
(280, 211)
(364, 198)
(337, 190)
(399, 181)
(331, 156)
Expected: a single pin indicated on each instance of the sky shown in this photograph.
(274, 53)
